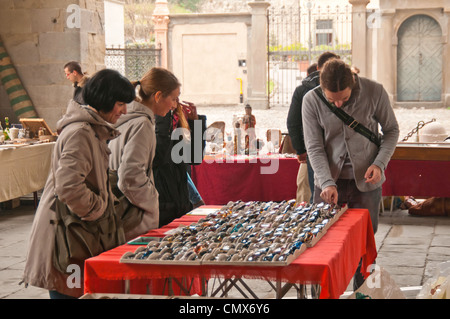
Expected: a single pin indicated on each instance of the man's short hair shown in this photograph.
(324, 57)
(73, 66)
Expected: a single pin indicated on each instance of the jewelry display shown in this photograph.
(256, 233)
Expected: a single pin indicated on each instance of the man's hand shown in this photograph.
(330, 195)
(373, 174)
(301, 158)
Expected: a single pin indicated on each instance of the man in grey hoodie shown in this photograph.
(348, 167)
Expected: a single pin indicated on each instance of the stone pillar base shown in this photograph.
(258, 103)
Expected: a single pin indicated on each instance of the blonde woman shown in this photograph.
(134, 150)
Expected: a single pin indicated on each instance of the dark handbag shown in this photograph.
(129, 214)
(197, 145)
(349, 120)
(77, 240)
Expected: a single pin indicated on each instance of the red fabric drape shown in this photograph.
(331, 262)
(417, 178)
(261, 179)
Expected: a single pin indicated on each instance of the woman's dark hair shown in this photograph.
(336, 76)
(107, 87)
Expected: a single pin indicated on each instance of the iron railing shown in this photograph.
(296, 36)
(133, 62)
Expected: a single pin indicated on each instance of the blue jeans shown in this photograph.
(57, 295)
(194, 195)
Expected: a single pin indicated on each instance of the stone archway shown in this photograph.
(419, 60)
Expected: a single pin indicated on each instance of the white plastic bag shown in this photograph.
(437, 287)
(378, 285)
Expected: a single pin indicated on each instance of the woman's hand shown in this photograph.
(190, 110)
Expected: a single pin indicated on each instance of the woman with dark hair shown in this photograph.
(133, 152)
(79, 179)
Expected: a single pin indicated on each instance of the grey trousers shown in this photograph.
(348, 193)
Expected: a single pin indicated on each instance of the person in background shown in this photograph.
(348, 167)
(295, 126)
(133, 152)
(78, 177)
(171, 168)
(75, 75)
(312, 68)
(190, 113)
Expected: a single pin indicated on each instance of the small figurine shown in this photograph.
(249, 122)
(249, 119)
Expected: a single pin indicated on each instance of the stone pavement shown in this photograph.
(409, 248)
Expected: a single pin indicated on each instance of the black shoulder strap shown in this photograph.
(348, 120)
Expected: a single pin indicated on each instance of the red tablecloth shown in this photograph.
(219, 183)
(259, 180)
(417, 178)
(331, 262)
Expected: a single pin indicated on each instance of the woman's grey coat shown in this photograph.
(132, 156)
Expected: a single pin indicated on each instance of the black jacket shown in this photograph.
(294, 119)
(170, 177)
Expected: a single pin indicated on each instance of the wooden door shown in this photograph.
(419, 60)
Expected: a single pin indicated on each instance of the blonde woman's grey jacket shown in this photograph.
(132, 156)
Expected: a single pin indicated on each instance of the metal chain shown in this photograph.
(415, 130)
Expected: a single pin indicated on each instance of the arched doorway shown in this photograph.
(419, 60)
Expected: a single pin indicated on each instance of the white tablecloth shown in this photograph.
(24, 169)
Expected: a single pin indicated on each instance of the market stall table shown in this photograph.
(263, 178)
(331, 263)
(421, 170)
(24, 169)
(415, 169)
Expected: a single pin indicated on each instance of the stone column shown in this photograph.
(359, 35)
(257, 67)
(161, 20)
(386, 58)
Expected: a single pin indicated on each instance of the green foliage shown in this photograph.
(270, 87)
(300, 47)
(187, 5)
(139, 25)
